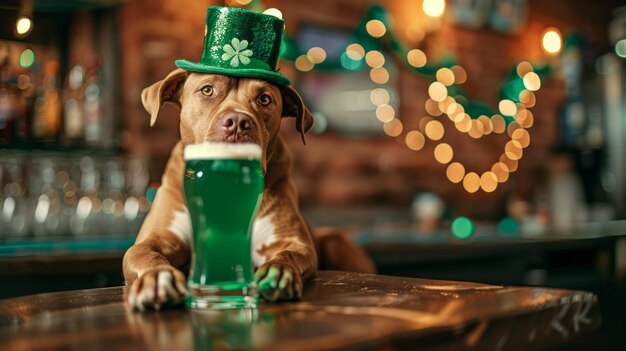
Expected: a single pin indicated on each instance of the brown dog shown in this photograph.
(229, 109)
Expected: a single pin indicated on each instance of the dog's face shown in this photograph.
(221, 108)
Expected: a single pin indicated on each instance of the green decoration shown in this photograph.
(240, 43)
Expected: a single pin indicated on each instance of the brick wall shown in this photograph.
(337, 171)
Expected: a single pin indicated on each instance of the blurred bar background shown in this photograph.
(478, 140)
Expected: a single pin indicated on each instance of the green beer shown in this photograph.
(223, 185)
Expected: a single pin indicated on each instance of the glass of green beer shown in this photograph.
(223, 186)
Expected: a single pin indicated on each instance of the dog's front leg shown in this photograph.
(287, 251)
(153, 267)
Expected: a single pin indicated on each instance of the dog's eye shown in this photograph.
(265, 100)
(207, 90)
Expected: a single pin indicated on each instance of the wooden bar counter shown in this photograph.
(339, 310)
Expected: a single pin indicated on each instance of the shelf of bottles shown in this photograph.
(59, 174)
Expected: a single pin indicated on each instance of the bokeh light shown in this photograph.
(464, 124)
(620, 48)
(551, 40)
(460, 76)
(434, 8)
(532, 81)
(416, 58)
(507, 107)
(501, 171)
(374, 59)
(274, 12)
(23, 25)
(432, 108)
(510, 164)
(499, 125)
(443, 153)
(27, 58)
(303, 63)
(355, 51)
(375, 28)
(462, 228)
(414, 140)
(508, 226)
(385, 113)
(379, 96)
(393, 128)
(522, 136)
(423, 122)
(316, 55)
(488, 182)
(513, 150)
(445, 76)
(476, 129)
(434, 130)
(523, 68)
(437, 91)
(487, 124)
(471, 182)
(379, 75)
(525, 118)
(455, 172)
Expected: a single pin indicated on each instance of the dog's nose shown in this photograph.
(236, 121)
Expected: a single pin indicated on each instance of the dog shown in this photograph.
(222, 108)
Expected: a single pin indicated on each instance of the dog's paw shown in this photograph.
(278, 282)
(158, 287)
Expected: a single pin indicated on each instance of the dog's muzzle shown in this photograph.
(237, 127)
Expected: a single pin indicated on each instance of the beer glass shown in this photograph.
(223, 185)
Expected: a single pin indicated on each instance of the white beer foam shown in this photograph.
(211, 151)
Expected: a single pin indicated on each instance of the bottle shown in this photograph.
(74, 113)
(47, 112)
(7, 99)
(94, 116)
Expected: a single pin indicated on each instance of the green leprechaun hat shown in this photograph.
(240, 43)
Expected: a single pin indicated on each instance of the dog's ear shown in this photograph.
(166, 90)
(293, 106)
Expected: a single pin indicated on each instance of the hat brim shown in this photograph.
(271, 76)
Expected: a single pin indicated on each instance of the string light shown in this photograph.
(518, 118)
